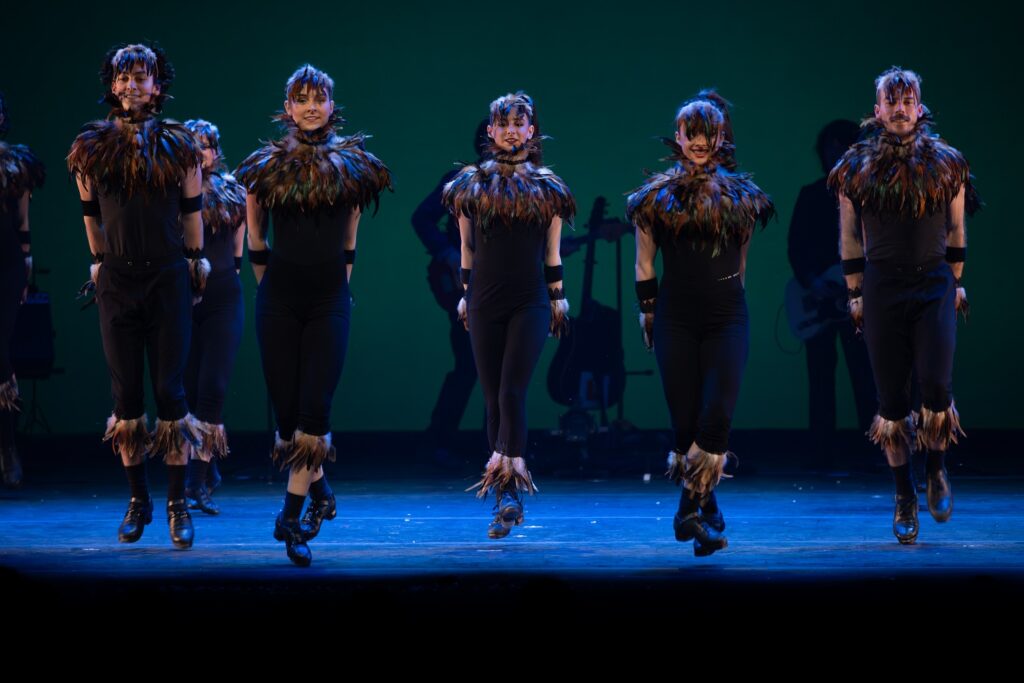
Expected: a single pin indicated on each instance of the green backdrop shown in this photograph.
(606, 82)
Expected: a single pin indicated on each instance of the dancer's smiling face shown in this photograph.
(512, 131)
(898, 111)
(136, 88)
(697, 149)
(310, 110)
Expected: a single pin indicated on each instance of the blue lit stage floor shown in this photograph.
(590, 552)
(778, 528)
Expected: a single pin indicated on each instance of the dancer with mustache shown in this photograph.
(903, 193)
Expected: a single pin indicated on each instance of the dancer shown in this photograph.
(700, 214)
(21, 172)
(510, 210)
(312, 185)
(903, 193)
(217, 319)
(140, 183)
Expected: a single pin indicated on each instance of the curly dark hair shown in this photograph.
(125, 57)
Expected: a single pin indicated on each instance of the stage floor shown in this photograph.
(778, 528)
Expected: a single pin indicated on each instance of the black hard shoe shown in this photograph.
(715, 519)
(10, 465)
(706, 540)
(904, 521)
(316, 512)
(140, 513)
(507, 513)
(940, 495)
(213, 478)
(199, 499)
(179, 523)
(290, 531)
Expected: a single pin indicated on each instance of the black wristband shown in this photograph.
(553, 273)
(647, 289)
(852, 266)
(956, 254)
(238, 263)
(193, 252)
(854, 293)
(556, 294)
(91, 207)
(646, 306)
(350, 256)
(97, 257)
(957, 282)
(191, 204)
(259, 257)
(466, 272)
(24, 237)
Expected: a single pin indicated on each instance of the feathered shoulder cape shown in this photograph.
(309, 171)
(134, 157)
(913, 178)
(223, 201)
(502, 189)
(710, 203)
(20, 170)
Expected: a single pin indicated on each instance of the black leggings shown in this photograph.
(145, 312)
(506, 347)
(12, 284)
(216, 335)
(302, 322)
(701, 343)
(910, 325)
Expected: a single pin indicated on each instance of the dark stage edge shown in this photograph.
(591, 552)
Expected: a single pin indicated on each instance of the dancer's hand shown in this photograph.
(856, 306)
(559, 317)
(463, 310)
(963, 307)
(646, 321)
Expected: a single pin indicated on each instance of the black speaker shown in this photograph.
(32, 347)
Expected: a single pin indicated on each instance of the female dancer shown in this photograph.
(20, 173)
(313, 185)
(217, 319)
(510, 210)
(700, 213)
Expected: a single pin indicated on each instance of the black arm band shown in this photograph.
(647, 289)
(956, 254)
(350, 256)
(97, 257)
(466, 272)
(556, 294)
(553, 273)
(24, 237)
(91, 207)
(854, 293)
(238, 263)
(191, 204)
(259, 257)
(852, 266)
(193, 253)
(957, 282)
